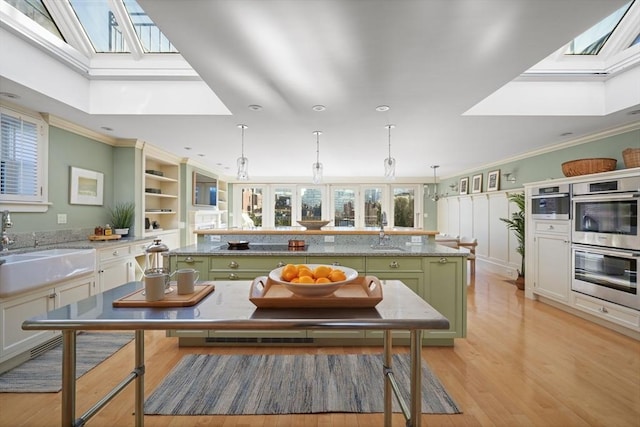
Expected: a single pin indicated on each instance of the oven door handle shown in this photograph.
(620, 254)
(605, 197)
(550, 196)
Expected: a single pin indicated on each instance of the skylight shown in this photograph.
(591, 41)
(38, 12)
(100, 25)
(150, 36)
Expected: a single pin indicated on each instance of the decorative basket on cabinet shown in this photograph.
(588, 166)
(631, 157)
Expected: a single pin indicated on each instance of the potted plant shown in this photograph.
(122, 216)
(516, 224)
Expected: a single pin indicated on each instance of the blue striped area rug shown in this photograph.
(288, 384)
(43, 374)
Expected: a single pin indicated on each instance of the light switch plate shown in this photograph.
(329, 239)
(214, 238)
(416, 239)
(62, 218)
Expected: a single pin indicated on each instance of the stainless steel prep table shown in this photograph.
(228, 307)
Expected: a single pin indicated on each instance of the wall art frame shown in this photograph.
(493, 180)
(464, 185)
(86, 187)
(476, 183)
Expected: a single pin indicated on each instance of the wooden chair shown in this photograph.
(470, 243)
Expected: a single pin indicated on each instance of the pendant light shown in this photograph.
(390, 162)
(435, 196)
(317, 166)
(243, 162)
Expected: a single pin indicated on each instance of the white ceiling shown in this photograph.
(431, 61)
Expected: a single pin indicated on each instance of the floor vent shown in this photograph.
(259, 340)
(44, 347)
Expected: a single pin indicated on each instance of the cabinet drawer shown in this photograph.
(561, 227)
(113, 253)
(254, 263)
(611, 312)
(357, 263)
(388, 263)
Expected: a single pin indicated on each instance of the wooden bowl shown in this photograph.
(588, 166)
(313, 224)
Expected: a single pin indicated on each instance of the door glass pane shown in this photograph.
(344, 201)
(372, 207)
(283, 208)
(403, 207)
(311, 204)
(251, 207)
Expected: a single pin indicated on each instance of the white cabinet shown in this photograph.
(614, 313)
(552, 259)
(116, 266)
(15, 310)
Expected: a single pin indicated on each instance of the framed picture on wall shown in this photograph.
(476, 184)
(464, 185)
(86, 187)
(493, 180)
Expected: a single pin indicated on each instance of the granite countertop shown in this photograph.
(79, 244)
(324, 231)
(220, 249)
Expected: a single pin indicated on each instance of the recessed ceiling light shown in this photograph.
(107, 128)
(634, 112)
(383, 108)
(9, 95)
(218, 164)
(255, 107)
(318, 107)
(187, 148)
(201, 154)
(566, 133)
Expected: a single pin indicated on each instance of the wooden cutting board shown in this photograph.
(110, 237)
(137, 299)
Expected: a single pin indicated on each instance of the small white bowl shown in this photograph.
(314, 289)
(313, 224)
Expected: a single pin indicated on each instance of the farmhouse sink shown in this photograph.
(30, 270)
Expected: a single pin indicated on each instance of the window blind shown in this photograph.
(18, 157)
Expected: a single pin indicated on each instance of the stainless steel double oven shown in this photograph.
(606, 240)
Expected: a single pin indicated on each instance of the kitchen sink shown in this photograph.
(30, 270)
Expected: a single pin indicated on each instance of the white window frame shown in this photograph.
(268, 207)
(39, 203)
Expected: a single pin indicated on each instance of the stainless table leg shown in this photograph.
(68, 378)
(388, 356)
(416, 377)
(139, 409)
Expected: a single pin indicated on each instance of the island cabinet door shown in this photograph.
(199, 263)
(445, 289)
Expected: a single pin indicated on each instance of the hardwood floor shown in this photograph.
(523, 363)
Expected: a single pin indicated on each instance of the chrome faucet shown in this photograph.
(382, 239)
(6, 223)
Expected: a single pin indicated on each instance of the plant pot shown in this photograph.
(520, 283)
(121, 231)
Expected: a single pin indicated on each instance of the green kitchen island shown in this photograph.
(436, 273)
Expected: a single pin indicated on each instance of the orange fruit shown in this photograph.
(289, 272)
(305, 272)
(306, 279)
(322, 271)
(295, 280)
(337, 276)
(323, 280)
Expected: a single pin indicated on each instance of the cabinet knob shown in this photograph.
(52, 295)
(115, 253)
(336, 263)
(551, 227)
(442, 260)
(233, 264)
(188, 259)
(280, 264)
(603, 310)
(394, 264)
(233, 276)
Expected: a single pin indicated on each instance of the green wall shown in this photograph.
(549, 165)
(68, 149)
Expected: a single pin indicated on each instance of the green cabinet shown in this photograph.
(199, 263)
(248, 267)
(445, 289)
